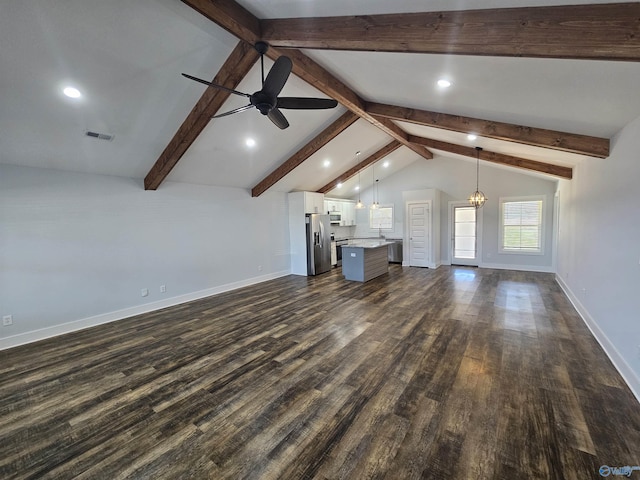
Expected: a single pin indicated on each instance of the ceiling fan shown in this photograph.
(266, 99)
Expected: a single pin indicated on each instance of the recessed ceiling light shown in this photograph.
(250, 142)
(471, 137)
(357, 187)
(72, 92)
(386, 164)
(444, 83)
(339, 185)
(326, 163)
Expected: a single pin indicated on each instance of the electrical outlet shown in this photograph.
(7, 320)
(144, 292)
(163, 288)
(259, 268)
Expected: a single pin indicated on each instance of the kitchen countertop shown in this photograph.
(367, 244)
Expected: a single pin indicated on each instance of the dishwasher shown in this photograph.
(395, 251)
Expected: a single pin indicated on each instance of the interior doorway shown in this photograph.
(419, 233)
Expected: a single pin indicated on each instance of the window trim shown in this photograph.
(392, 207)
(502, 201)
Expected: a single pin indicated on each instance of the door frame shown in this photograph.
(474, 263)
(406, 260)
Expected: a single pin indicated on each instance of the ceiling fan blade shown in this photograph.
(304, 103)
(278, 118)
(235, 110)
(230, 90)
(277, 76)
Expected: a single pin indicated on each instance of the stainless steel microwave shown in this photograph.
(335, 218)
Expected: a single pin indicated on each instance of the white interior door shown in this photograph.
(419, 234)
(463, 227)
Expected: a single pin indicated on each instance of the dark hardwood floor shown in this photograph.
(454, 373)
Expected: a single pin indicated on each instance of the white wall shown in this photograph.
(79, 247)
(599, 249)
(456, 179)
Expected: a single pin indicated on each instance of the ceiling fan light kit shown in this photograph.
(266, 100)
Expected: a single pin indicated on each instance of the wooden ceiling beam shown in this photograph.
(231, 16)
(499, 158)
(400, 135)
(241, 23)
(317, 76)
(324, 137)
(539, 137)
(373, 158)
(596, 32)
(234, 69)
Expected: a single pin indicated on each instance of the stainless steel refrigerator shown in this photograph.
(318, 243)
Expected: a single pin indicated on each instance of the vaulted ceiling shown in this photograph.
(543, 87)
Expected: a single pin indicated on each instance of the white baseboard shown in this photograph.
(502, 266)
(431, 265)
(522, 268)
(81, 324)
(627, 373)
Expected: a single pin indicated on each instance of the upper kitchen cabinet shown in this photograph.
(346, 209)
(333, 206)
(348, 213)
(312, 202)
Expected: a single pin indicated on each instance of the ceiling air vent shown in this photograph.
(99, 136)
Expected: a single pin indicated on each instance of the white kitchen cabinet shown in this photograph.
(333, 206)
(348, 213)
(313, 202)
(346, 208)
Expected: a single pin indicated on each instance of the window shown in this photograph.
(521, 225)
(381, 218)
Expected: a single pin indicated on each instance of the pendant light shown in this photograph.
(359, 205)
(374, 203)
(477, 198)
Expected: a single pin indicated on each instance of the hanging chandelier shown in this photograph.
(477, 198)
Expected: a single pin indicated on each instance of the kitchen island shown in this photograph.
(362, 261)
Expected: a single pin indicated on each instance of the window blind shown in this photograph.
(522, 226)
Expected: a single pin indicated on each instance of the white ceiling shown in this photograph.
(328, 8)
(126, 57)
